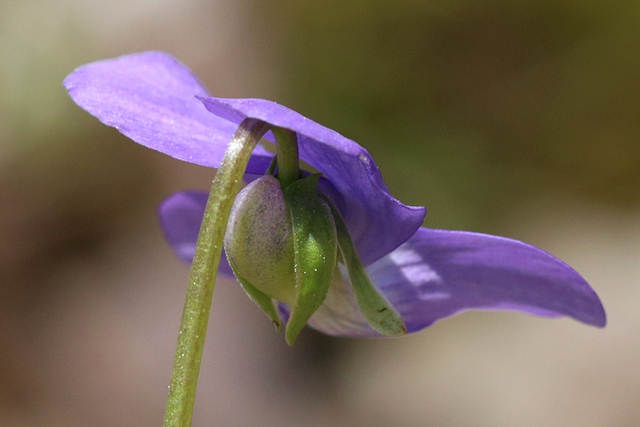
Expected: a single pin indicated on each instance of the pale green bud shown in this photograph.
(259, 239)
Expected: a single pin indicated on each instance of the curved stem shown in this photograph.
(195, 316)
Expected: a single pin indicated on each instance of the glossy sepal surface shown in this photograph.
(315, 251)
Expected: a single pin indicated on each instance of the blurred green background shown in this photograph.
(512, 118)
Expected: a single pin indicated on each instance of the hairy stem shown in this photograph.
(195, 316)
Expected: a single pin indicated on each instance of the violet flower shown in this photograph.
(425, 274)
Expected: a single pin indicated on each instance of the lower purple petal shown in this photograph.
(340, 315)
(439, 273)
(434, 275)
(180, 217)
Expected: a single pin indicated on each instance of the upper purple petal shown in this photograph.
(439, 273)
(151, 98)
(377, 222)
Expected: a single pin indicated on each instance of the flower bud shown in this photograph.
(259, 239)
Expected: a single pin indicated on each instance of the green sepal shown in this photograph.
(380, 315)
(262, 300)
(315, 251)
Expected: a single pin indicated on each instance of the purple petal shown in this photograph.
(151, 98)
(439, 273)
(378, 223)
(339, 315)
(180, 217)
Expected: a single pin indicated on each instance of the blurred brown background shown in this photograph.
(512, 118)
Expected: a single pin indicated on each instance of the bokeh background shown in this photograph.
(511, 118)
